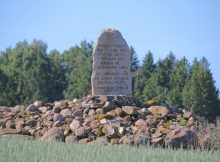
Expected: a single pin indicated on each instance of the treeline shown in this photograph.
(29, 73)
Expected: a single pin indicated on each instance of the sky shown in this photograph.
(189, 28)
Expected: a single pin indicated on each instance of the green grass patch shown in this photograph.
(12, 150)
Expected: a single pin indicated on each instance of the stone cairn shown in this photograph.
(109, 116)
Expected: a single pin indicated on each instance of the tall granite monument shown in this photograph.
(111, 65)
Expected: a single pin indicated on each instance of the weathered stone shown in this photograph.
(103, 121)
(140, 122)
(71, 138)
(141, 139)
(56, 109)
(3, 122)
(108, 106)
(100, 140)
(18, 108)
(58, 117)
(4, 109)
(84, 140)
(127, 139)
(91, 112)
(21, 130)
(187, 114)
(130, 110)
(53, 134)
(57, 124)
(118, 111)
(111, 65)
(31, 123)
(38, 103)
(109, 130)
(77, 113)
(102, 116)
(62, 104)
(122, 130)
(75, 124)
(181, 137)
(145, 110)
(10, 124)
(66, 113)
(31, 109)
(80, 132)
(159, 111)
(157, 142)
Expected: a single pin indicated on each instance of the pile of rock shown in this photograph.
(100, 119)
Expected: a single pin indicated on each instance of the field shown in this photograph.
(40, 151)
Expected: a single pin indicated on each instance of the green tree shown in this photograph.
(134, 60)
(177, 82)
(3, 90)
(78, 63)
(158, 85)
(143, 74)
(26, 67)
(200, 92)
(57, 79)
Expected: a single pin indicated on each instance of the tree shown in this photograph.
(177, 82)
(26, 67)
(143, 74)
(158, 85)
(57, 77)
(3, 90)
(200, 92)
(134, 60)
(78, 62)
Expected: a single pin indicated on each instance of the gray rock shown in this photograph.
(141, 139)
(111, 77)
(80, 132)
(91, 112)
(181, 137)
(100, 140)
(56, 109)
(159, 111)
(53, 134)
(77, 113)
(108, 106)
(32, 109)
(66, 113)
(71, 138)
(31, 123)
(58, 117)
(38, 103)
(130, 110)
(75, 124)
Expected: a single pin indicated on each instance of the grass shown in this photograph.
(12, 150)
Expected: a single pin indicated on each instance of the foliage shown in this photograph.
(28, 73)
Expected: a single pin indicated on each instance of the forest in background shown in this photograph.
(29, 73)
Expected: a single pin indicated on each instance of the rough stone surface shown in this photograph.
(75, 124)
(181, 137)
(53, 134)
(124, 121)
(111, 65)
(159, 111)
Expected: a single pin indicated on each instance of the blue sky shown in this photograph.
(188, 28)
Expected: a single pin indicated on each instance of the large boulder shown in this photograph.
(181, 137)
(53, 134)
(159, 111)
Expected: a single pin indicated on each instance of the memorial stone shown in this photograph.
(111, 65)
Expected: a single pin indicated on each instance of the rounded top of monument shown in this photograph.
(110, 36)
(109, 30)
